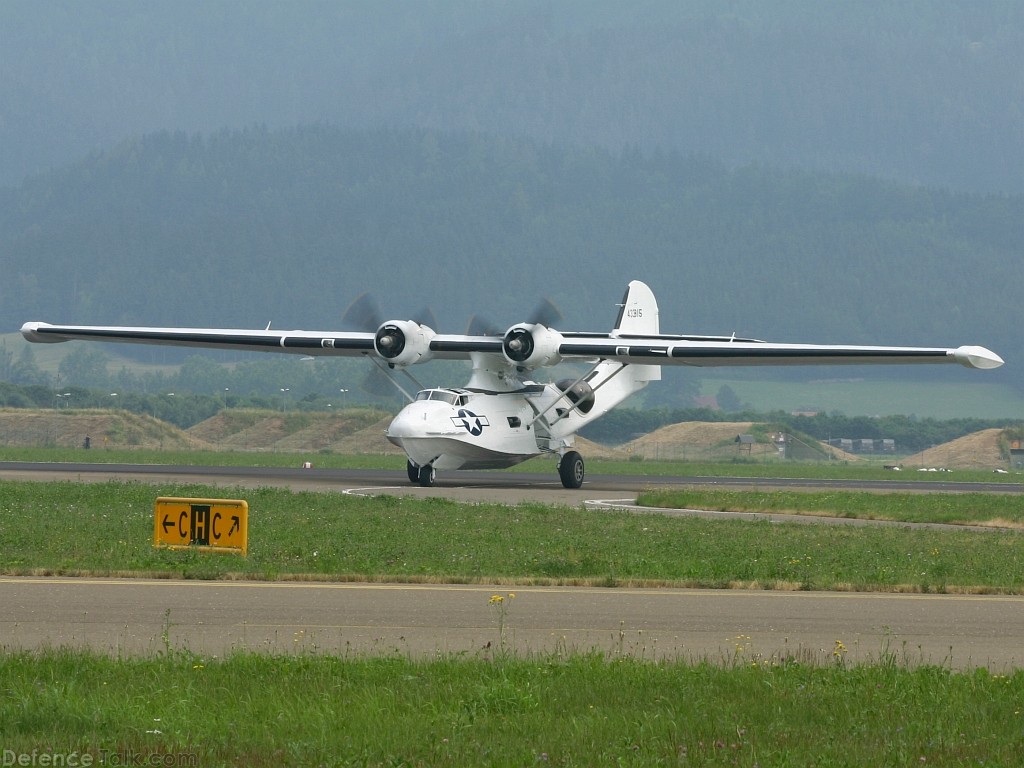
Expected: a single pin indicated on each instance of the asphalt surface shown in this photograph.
(125, 617)
(502, 487)
(143, 616)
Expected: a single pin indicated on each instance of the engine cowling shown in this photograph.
(531, 346)
(403, 342)
(581, 394)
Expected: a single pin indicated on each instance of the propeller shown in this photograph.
(362, 315)
(375, 382)
(546, 313)
(426, 317)
(482, 326)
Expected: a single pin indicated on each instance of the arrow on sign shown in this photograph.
(235, 522)
(167, 523)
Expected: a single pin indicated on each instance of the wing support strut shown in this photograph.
(565, 396)
(389, 373)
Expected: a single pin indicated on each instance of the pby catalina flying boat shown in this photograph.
(501, 417)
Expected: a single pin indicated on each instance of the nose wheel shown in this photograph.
(570, 469)
(423, 476)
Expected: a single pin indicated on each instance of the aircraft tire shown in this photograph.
(570, 469)
(427, 475)
(413, 471)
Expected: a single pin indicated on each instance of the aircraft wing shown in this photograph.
(298, 342)
(529, 347)
(728, 352)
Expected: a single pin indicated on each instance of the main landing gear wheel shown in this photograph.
(427, 475)
(413, 471)
(570, 469)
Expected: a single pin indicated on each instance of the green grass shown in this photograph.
(203, 458)
(577, 709)
(581, 710)
(105, 529)
(994, 510)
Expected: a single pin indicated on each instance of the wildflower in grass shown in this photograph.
(501, 605)
(839, 651)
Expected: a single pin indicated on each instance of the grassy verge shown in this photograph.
(258, 710)
(107, 529)
(957, 509)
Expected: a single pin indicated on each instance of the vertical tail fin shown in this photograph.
(638, 313)
(638, 316)
(613, 382)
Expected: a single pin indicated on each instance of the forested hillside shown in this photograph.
(923, 91)
(245, 228)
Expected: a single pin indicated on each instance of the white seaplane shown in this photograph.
(500, 417)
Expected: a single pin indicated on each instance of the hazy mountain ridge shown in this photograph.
(925, 92)
(244, 227)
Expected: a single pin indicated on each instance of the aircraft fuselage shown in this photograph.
(461, 429)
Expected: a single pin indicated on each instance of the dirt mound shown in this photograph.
(348, 431)
(690, 441)
(68, 428)
(591, 450)
(370, 440)
(979, 450)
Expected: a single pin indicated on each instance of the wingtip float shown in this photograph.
(977, 357)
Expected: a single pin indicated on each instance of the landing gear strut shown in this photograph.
(427, 475)
(570, 469)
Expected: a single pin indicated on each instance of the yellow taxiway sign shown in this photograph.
(214, 524)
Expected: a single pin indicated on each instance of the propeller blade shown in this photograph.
(481, 326)
(376, 383)
(546, 313)
(426, 317)
(362, 315)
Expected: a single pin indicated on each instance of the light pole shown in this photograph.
(343, 392)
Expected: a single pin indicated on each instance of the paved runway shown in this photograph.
(146, 616)
(476, 486)
(127, 616)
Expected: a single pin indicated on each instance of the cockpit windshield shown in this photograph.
(444, 395)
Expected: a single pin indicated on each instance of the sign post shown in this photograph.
(218, 525)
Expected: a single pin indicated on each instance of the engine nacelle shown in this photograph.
(403, 342)
(531, 346)
(581, 395)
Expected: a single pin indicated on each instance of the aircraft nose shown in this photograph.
(408, 423)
